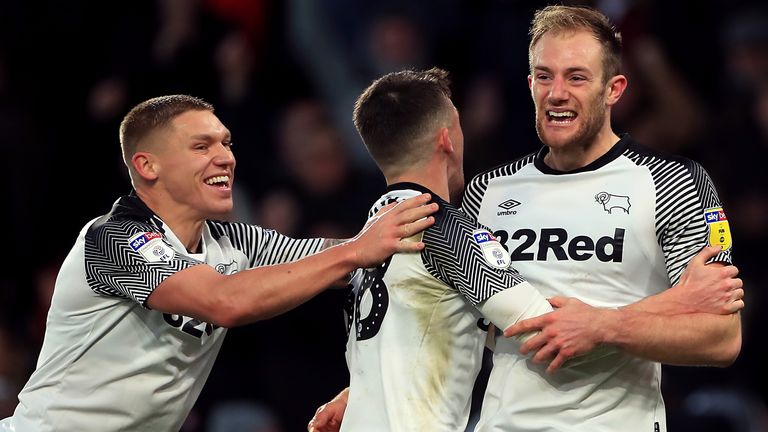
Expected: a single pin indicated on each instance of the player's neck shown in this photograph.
(428, 176)
(572, 157)
(183, 221)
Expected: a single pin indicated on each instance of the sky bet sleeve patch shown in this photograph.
(151, 246)
(493, 252)
(719, 231)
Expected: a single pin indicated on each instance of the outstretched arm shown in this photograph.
(262, 292)
(704, 331)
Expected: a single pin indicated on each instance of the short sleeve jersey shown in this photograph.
(109, 362)
(611, 233)
(416, 338)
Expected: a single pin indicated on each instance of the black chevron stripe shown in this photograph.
(452, 256)
(683, 191)
(113, 268)
(265, 246)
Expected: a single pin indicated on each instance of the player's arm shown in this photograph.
(703, 288)
(263, 292)
(650, 328)
(702, 339)
(525, 302)
(696, 322)
(576, 328)
(328, 417)
(702, 312)
(513, 304)
(704, 336)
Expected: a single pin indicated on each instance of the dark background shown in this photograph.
(283, 76)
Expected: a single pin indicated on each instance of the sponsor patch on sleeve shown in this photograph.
(493, 252)
(717, 225)
(151, 246)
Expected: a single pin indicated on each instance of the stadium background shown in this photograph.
(283, 76)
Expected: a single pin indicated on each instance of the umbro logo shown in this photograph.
(508, 205)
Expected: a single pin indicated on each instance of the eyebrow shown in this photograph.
(209, 137)
(567, 70)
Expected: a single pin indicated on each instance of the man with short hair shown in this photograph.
(143, 300)
(598, 217)
(416, 331)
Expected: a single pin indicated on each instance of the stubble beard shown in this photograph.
(587, 132)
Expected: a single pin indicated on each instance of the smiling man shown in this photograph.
(143, 300)
(602, 218)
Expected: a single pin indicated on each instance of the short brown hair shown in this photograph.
(568, 18)
(154, 114)
(398, 109)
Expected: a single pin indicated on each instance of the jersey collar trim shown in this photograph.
(131, 206)
(409, 185)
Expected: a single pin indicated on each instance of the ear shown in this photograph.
(616, 87)
(145, 165)
(530, 87)
(444, 142)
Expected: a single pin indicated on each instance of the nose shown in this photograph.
(558, 91)
(223, 155)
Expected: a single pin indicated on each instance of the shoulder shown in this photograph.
(656, 159)
(505, 169)
(128, 218)
(465, 255)
(112, 228)
(477, 187)
(672, 174)
(450, 218)
(453, 231)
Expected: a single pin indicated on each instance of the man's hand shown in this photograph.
(383, 235)
(703, 288)
(572, 329)
(328, 417)
(708, 288)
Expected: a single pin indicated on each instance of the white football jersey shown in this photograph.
(110, 363)
(610, 234)
(416, 336)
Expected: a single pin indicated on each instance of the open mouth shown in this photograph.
(221, 181)
(561, 117)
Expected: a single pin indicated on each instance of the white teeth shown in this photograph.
(217, 179)
(560, 114)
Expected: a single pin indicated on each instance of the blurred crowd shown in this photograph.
(283, 76)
